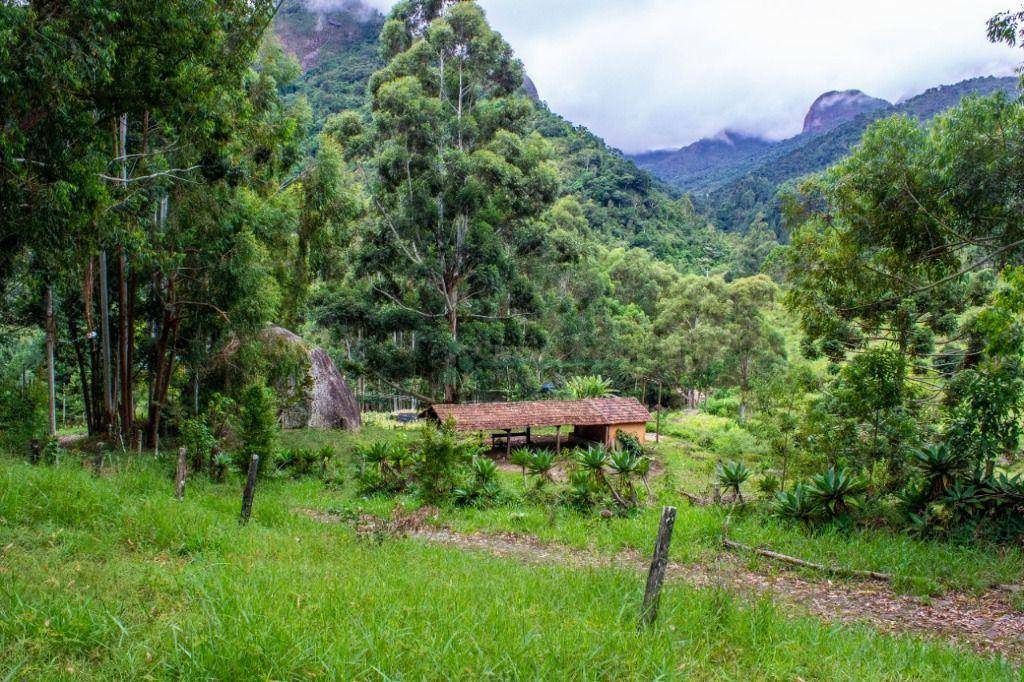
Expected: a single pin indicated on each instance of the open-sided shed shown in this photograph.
(597, 420)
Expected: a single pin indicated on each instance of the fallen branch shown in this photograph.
(785, 558)
(697, 501)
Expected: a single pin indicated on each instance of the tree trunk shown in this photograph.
(51, 378)
(80, 360)
(451, 391)
(108, 404)
(163, 365)
(124, 365)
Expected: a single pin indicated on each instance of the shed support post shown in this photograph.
(529, 438)
(558, 440)
(508, 443)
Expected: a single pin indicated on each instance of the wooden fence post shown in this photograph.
(250, 489)
(179, 477)
(659, 562)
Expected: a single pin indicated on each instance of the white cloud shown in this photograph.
(662, 73)
(335, 5)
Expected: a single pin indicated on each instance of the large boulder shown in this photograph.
(320, 399)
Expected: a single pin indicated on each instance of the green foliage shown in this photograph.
(723, 406)
(583, 387)
(199, 440)
(384, 466)
(795, 505)
(940, 465)
(301, 461)
(769, 485)
(716, 334)
(458, 187)
(257, 427)
(22, 414)
(540, 464)
(442, 459)
(732, 476)
(835, 492)
(593, 459)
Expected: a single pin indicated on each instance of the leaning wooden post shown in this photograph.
(657, 432)
(250, 489)
(558, 440)
(179, 477)
(659, 562)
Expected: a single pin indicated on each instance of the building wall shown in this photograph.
(638, 430)
(606, 434)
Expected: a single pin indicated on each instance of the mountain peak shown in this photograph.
(837, 107)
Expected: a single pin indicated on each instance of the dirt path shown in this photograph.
(986, 624)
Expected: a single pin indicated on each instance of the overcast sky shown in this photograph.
(647, 74)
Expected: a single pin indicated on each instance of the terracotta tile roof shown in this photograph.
(500, 416)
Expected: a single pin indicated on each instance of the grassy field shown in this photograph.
(689, 454)
(111, 578)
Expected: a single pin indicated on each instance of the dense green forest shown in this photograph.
(181, 183)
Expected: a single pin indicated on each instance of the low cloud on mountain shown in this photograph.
(662, 73)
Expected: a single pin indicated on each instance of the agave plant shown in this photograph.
(593, 458)
(731, 476)
(795, 504)
(582, 387)
(520, 457)
(581, 489)
(1007, 489)
(541, 463)
(836, 491)
(964, 499)
(484, 470)
(940, 466)
(378, 453)
(626, 464)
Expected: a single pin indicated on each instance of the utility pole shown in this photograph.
(51, 375)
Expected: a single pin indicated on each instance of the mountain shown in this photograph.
(335, 42)
(336, 47)
(684, 168)
(732, 192)
(834, 108)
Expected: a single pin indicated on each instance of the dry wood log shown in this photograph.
(696, 501)
(785, 558)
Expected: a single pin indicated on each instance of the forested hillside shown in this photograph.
(623, 205)
(732, 192)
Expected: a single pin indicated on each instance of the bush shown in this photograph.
(769, 486)
(299, 461)
(257, 427)
(22, 415)
(384, 467)
(723, 405)
(199, 441)
(442, 460)
(795, 504)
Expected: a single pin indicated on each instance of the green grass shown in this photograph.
(110, 578)
(690, 460)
